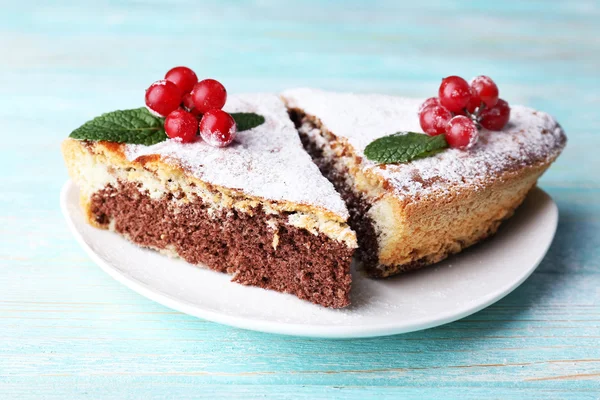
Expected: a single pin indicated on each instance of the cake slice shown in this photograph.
(413, 214)
(259, 209)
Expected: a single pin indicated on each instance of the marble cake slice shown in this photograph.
(259, 209)
(410, 215)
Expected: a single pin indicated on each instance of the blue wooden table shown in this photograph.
(67, 330)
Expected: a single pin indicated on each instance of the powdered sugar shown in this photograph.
(530, 136)
(267, 161)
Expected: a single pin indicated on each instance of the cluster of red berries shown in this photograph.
(461, 108)
(184, 101)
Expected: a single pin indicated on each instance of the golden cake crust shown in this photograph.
(428, 231)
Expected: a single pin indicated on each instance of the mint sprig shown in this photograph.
(135, 126)
(139, 126)
(403, 147)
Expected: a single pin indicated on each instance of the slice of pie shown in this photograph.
(410, 215)
(259, 209)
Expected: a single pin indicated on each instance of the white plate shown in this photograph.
(433, 296)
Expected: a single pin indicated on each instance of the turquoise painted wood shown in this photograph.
(67, 330)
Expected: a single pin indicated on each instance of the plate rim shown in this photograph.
(296, 329)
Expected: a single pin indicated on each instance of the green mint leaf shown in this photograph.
(135, 126)
(403, 147)
(245, 121)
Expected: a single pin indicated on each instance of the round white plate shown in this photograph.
(433, 296)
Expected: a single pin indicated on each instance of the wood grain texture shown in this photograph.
(68, 330)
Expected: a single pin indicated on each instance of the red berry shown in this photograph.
(434, 119)
(454, 93)
(217, 128)
(188, 104)
(432, 101)
(181, 124)
(208, 95)
(474, 102)
(497, 117)
(162, 97)
(183, 77)
(485, 90)
(461, 132)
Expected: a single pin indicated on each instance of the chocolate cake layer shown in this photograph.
(258, 250)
